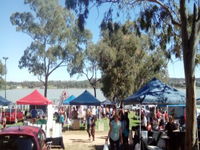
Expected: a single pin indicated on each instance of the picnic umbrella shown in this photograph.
(156, 92)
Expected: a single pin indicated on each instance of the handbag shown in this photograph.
(105, 147)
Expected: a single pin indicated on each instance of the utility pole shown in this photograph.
(5, 58)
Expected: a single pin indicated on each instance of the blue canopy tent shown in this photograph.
(198, 101)
(69, 99)
(85, 99)
(4, 101)
(107, 102)
(156, 92)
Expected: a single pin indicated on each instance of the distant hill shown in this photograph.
(180, 82)
(51, 84)
(174, 82)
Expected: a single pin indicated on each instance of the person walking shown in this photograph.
(90, 125)
(115, 133)
(125, 130)
(170, 126)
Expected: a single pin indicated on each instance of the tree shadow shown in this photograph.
(80, 141)
(98, 147)
(101, 137)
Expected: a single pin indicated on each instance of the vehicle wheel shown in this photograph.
(16, 120)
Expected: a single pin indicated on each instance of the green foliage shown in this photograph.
(126, 62)
(157, 23)
(1, 68)
(86, 64)
(51, 84)
(56, 38)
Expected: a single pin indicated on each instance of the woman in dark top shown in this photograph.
(125, 129)
(170, 126)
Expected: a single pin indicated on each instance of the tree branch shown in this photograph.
(163, 6)
(184, 22)
(109, 1)
(40, 79)
(167, 10)
(56, 67)
(194, 29)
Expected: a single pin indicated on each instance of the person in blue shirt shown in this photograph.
(61, 119)
(33, 113)
(115, 133)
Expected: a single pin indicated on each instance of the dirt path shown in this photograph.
(78, 140)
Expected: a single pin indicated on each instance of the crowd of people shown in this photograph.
(118, 135)
(157, 120)
(119, 124)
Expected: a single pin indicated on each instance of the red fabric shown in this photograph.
(35, 98)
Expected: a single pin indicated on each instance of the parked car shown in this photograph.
(13, 115)
(23, 138)
(36, 113)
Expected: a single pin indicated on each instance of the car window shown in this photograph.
(17, 142)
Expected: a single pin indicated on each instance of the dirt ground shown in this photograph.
(78, 140)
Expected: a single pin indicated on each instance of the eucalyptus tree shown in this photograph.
(177, 29)
(87, 65)
(55, 41)
(126, 61)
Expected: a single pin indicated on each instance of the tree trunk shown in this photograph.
(191, 142)
(95, 92)
(191, 124)
(45, 86)
(189, 55)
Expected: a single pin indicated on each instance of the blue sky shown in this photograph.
(13, 44)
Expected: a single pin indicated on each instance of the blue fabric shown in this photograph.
(156, 92)
(115, 132)
(69, 99)
(107, 102)
(4, 101)
(85, 99)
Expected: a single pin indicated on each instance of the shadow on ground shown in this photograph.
(98, 147)
(101, 137)
(80, 140)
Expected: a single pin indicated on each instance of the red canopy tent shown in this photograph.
(35, 98)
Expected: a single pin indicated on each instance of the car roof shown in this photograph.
(22, 130)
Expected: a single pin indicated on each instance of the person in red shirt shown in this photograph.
(158, 114)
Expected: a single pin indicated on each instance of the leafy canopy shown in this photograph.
(55, 37)
(126, 62)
